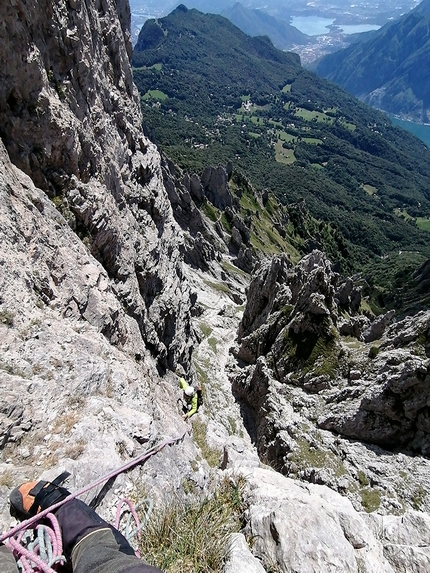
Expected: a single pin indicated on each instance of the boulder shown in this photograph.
(307, 528)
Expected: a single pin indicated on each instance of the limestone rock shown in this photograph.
(308, 528)
(348, 295)
(301, 378)
(405, 540)
(241, 560)
(215, 185)
(245, 260)
(94, 309)
(377, 327)
(71, 121)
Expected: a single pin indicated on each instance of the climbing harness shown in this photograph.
(38, 548)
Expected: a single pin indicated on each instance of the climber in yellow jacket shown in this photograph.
(191, 397)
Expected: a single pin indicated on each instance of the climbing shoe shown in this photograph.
(32, 497)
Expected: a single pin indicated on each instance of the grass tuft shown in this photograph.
(6, 317)
(193, 536)
(211, 455)
(370, 499)
(6, 479)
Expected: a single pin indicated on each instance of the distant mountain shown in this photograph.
(208, 6)
(211, 53)
(213, 95)
(259, 23)
(391, 71)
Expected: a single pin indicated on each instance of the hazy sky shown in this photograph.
(347, 11)
(163, 7)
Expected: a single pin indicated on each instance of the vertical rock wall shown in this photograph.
(70, 119)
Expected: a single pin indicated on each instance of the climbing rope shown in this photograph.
(128, 530)
(38, 547)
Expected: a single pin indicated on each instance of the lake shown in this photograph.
(420, 130)
(315, 26)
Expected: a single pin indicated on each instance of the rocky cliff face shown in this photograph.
(111, 277)
(93, 305)
(71, 121)
(312, 362)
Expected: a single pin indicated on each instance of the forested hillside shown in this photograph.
(259, 23)
(212, 94)
(391, 71)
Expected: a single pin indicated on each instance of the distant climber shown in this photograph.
(192, 398)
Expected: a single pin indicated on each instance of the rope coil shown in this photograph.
(127, 530)
(39, 549)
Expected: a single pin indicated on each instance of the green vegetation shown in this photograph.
(362, 478)
(309, 115)
(370, 190)
(220, 287)
(283, 155)
(373, 352)
(294, 134)
(370, 499)
(6, 479)
(6, 317)
(212, 341)
(202, 370)
(418, 498)
(233, 425)
(307, 456)
(324, 358)
(316, 352)
(231, 269)
(191, 536)
(206, 329)
(210, 211)
(312, 141)
(211, 455)
(423, 223)
(155, 94)
(387, 279)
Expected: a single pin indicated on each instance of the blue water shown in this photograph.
(357, 28)
(311, 25)
(420, 130)
(314, 26)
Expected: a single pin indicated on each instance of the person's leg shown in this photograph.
(95, 545)
(89, 542)
(7, 560)
(99, 552)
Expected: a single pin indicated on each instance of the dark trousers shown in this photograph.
(90, 544)
(99, 552)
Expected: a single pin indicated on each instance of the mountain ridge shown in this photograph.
(256, 22)
(389, 70)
